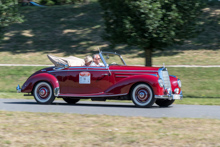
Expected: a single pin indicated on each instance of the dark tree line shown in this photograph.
(150, 24)
(8, 14)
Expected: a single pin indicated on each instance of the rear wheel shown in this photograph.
(71, 100)
(142, 95)
(43, 93)
(164, 102)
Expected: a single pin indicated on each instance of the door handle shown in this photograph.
(105, 74)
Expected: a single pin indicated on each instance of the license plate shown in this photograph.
(176, 96)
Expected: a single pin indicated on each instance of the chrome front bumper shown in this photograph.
(18, 89)
(170, 96)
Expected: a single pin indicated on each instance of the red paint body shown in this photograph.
(115, 81)
(35, 78)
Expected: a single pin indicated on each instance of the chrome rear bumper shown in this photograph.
(18, 89)
(56, 91)
(170, 96)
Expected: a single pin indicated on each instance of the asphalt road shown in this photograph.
(110, 108)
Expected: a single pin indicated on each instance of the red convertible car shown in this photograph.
(115, 80)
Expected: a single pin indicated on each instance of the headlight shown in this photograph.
(160, 81)
(179, 83)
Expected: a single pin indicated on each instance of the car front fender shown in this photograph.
(29, 84)
(124, 85)
(174, 83)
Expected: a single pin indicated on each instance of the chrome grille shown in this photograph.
(166, 79)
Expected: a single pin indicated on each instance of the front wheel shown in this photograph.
(71, 100)
(43, 93)
(142, 95)
(164, 102)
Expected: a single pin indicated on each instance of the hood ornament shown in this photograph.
(163, 65)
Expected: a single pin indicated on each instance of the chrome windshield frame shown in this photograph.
(114, 53)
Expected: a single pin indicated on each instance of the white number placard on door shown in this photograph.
(84, 78)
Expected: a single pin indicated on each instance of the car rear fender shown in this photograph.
(33, 80)
(124, 86)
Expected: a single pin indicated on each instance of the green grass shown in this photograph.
(198, 101)
(198, 82)
(54, 129)
(77, 29)
(199, 85)
(12, 76)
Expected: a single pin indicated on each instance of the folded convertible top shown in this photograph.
(62, 61)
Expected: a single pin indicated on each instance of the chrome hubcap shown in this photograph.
(43, 92)
(142, 95)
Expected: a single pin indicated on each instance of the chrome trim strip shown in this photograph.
(76, 70)
(118, 76)
(56, 91)
(107, 70)
(138, 70)
(18, 89)
(134, 74)
(152, 74)
(122, 76)
(78, 95)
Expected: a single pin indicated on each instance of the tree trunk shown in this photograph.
(148, 56)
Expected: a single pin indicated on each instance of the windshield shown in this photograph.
(113, 59)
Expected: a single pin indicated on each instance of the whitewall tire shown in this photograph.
(43, 93)
(142, 95)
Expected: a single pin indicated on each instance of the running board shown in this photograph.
(91, 95)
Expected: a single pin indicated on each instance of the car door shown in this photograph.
(99, 79)
(86, 80)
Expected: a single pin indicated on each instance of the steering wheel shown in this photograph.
(113, 63)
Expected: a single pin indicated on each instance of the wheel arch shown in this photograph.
(137, 83)
(30, 84)
(35, 84)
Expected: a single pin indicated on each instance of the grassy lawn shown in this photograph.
(199, 85)
(77, 30)
(12, 76)
(198, 82)
(53, 129)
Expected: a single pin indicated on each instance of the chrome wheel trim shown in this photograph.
(43, 92)
(142, 95)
